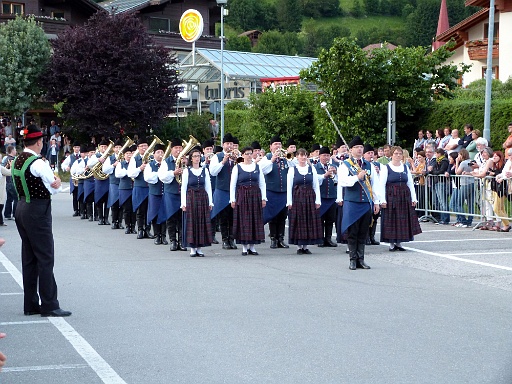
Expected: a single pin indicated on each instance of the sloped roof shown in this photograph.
(459, 31)
(121, 6)
(371, 47)
(240, 65)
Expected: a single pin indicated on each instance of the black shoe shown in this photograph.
(158, 240)
(101, 222)
(282, 244)
(115, 225)
(330, 243)
(306, 251)
(74, 215)
(148, 235)
(232, 244)
(362, 265)
(226, 245)
(120, 226)
(164, 240)
(128, 230)
(199, 254)
(368, 242)
(273, 243)
(252, 252)
(300, 251)
(181, 247)
(56, 313)
(353, 265)
(140, 234)
(244, 253)
(399, 249)
(373, 241)
(174, 245)
(34, 312)
(215, 241)
(394, 249)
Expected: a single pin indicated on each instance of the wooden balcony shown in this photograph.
(51, 26)
(477, 49)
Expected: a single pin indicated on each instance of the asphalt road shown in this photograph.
(438, 313)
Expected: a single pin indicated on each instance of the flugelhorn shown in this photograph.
(148, 155)
(193, 142)
(127, 144)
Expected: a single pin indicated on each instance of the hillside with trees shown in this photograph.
(304, 27)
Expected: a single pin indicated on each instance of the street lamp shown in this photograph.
(221, 4)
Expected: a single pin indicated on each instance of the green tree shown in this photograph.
(242, 14)
(279, 43)
(421, 25)
(24, 55)
(289, 15)
(238, 43)
(371, 7)
(316, 37)
(358, 86)
(289, 113)
(321, 8)
(357, 9)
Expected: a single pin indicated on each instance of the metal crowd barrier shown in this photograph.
(464, 199)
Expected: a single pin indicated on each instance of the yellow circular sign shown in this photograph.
(191, 25)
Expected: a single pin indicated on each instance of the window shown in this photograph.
(157, 24)
(496, 32)
(58, 14)
(12, 9)
(495, 72)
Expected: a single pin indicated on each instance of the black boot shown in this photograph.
(281, 243)
(105, 215)
(232, 244)
(353, 256)
(89, 212)
(147, 233)
(226, 244)
(360, 257)
(128, 229)
(273, 242)
(75, 214)
(181, 247)
(115, 225)
(158, 240)
(174, 245)
(140, 233)
(373, 229)
(164, 239)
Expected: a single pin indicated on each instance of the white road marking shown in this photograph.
(25, 322)
(11, 293)
(44, 367)
(88, 353)
(461, 240)
(452, 257)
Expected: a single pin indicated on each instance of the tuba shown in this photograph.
(186, 149)
(128, 144)
(97, 169)
(148, 155)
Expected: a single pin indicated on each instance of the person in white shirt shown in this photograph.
(303, 202)
(248, 197)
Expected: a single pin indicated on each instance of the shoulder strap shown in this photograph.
(21, 174)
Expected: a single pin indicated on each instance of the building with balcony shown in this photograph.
(470, 37)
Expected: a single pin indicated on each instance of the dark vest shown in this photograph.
(73, 158)
(112, 177)
(196, 182)
(35, 186)
(301, 180)
(355, 193)
(125, 182)
(139, 180)
(173, 187)
(248, 179)
(327, 188)
(276, 179)
(158, 188)
(224, 176)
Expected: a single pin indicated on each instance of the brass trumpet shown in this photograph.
(284, 154)
(96, 169)
(193, 142)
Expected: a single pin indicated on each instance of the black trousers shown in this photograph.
(277, 225)
(175, 226)
(225, 218)
(357, 234)
(101, 205)
(328, 219)
(75, 199)
(11, 201)
(34, 222)
(129, 216)
(142, 214)
(117, 212)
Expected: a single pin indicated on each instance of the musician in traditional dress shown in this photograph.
(221, 166)
(196, 203)
(168, 173)
(156, 207)
(101, 187)
(399, 219)
(208, 153)
(108, 168)
(248, 198)
(369, 155)
(73, 185)
(125, 190)
(275, 168)
(328, 180)
(89, 185)
(140, 190)
(313, 155)
(76, 169)
(358, 178)
(303, 202)
(256, 152)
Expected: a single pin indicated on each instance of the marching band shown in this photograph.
(177, 195)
